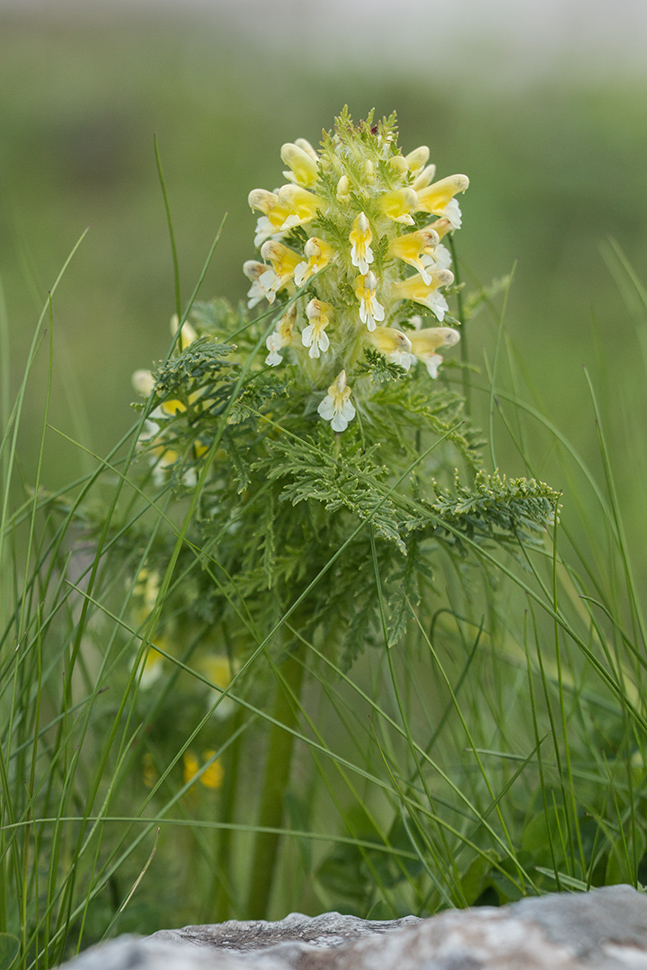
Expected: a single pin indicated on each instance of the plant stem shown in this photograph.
(222, 898)
(277, 776)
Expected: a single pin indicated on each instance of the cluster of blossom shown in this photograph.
(337, 241)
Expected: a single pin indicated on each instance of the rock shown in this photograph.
(605, 929)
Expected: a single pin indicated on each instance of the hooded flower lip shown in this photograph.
(412, 246)
(360, 237)
(423, 178)
(284, 262)
(302, 205)
(314, 335)
(394, 344)
(319, 253)
(438, 198)
(336, 407)
(370, 310)
(274, 217)
(399, 204)
(417, 159)
(415, 288)
(253, 270)
(425, 343)
(303, 166)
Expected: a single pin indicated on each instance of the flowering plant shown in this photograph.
(318, 457)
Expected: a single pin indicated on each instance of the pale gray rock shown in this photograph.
(605, 929)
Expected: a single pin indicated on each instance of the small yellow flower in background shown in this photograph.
(211, 777)
(150, 773)
(353, 235)
(217, 668)
(153, 665)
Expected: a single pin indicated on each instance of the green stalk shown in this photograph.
(277, 776)
(223, 901)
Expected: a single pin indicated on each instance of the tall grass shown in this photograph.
(497, 750)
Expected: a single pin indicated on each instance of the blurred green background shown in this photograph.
(556, 158)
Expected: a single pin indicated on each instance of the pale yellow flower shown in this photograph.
(360, 238)
(284, 261)
(415, 288)
(438, 198)
(303, 166)
(399, 204)
(319, 253)
(425, 343)
(370, 309)
(394, 344)
(314, 335)
(412, 246)
(281, 337)
(336, 407)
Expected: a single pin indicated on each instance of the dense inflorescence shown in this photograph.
(352, 241)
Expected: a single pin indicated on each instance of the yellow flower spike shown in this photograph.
(370, 310)
(424, 178)
(399, 164)
(415, 288)
(394, 344)
(303, 205)
(281, 337)
(212, 776)
(399, 204)
(417, 159)
(412, 245)
(343, 189)
(438, 198)
(304, 167)
(319, 253)
(425, 343)
(284, 261)
(314, 335)
(336, 407)
(360, 238)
